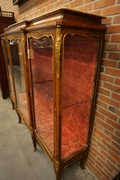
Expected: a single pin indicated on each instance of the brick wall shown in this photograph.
(104, 156)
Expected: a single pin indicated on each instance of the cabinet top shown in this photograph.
(64, 10)
(63, 17)
(66, 17)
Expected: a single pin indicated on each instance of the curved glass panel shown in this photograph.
(42, 78)
(19, 75)
(80, 55)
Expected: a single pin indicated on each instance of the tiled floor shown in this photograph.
(17, 159)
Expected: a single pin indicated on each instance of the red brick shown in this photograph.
(97, 12)
(114, 150)
(118, 165)
(113, 29)
(42, 4)
(104, 91)
(104, 54)
(114, 156)
(117, 46)
(117, 19)
(108, 173)
(49, 7)
(116, 96)
(111, 147)
(87, 1)
(92, 152)
(116, 145)
(115, 38)
(108, 113)
(103, 3)
(96, 135)
(95, 145)
(99, 115)
(94, 139)
(105, 165)
(51, 1)
(117, 111)
(107, 144)
(114, 72)
(103, 173)
(76, 3)
(117, 81)
(108, 20)
(92, 159)
(110, 101)
(66, 5)
(103, 104)
(112, 47)
(98, 175)
(114, 55)
(36, 2)
(106, 77)
(102, 135)
(105, 125)
(118, 65)
(98, 126)
(42, 10)
(87, 7)
(112, 165)
(117, 133)
(109, 63)
(111, 10)
(107, 38)
(108, 157)
(113, 123)
(112, 136)
(112, 87)
(100, 83)
(98, 154)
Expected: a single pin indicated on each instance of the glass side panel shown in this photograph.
(42, 77)
(8, 68)
(80, 56)
(19, 76)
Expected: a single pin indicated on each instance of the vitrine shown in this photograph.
(14, 47)
(64, 52)
(54, 80)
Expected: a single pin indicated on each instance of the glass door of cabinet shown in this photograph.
(42, 82)
(80, 59)
(19, 75)
(9, 70)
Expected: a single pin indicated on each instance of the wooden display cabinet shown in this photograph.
(64, 52)
(61, 73)
(14, 47)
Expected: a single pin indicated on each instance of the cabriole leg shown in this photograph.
(33, 138)
(82, 162)
(19, 118)
(58, 170)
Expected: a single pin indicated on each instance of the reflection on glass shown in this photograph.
(78, 83)
(41, 63)
(19, 77)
